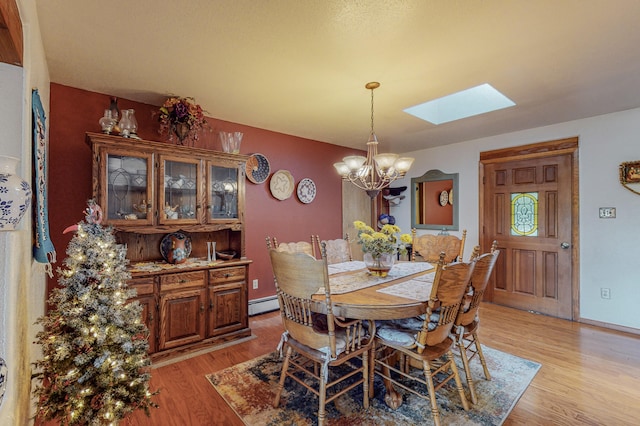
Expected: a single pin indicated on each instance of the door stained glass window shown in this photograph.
(524, 214)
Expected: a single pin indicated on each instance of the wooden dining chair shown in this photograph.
(425, 343)
(297, 246)
(338, 250)
(332, 343)
(428, 247)
(468, 318)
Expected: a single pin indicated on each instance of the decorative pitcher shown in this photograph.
(15, 194)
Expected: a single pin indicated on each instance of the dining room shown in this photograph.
(597, 344)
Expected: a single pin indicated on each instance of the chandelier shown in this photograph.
(375, 171)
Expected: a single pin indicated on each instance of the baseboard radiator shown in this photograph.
(262, 305)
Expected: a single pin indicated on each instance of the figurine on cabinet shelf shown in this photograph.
(170, 212)
(140, 208)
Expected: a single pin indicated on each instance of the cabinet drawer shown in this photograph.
(143, 285)
(182, 281)
(226, 275)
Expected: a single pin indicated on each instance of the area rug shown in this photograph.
(249, 389)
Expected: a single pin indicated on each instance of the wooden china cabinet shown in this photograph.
(148, 190)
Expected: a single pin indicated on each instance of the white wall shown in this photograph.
(607, 246)
(22, 281)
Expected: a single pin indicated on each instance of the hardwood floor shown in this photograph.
(589, 375)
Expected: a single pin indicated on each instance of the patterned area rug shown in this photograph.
(249, 388)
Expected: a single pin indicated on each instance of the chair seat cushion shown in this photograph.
(415, 323)
(403, 332)
(396, 336)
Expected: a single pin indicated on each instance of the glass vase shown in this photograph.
(231, 141)
(126, 124)
(15, 194)
(107, 122)
(379, 265)
(133, 130)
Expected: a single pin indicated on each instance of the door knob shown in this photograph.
(565, 245)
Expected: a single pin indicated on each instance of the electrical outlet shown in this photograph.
(255, 284)
(605, 293)
(607, 212)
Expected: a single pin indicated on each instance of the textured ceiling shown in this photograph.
(299, 67)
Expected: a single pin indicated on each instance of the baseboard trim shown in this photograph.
(174, 359)
(610, 326)
(262, 305)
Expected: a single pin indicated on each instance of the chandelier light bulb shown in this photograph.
(385, 161)
(354, 162)
(403, 164)
(342, 168)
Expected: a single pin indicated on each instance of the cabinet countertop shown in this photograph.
(192, 264)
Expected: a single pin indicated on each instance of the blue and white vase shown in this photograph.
(3, 379)
(15, 194)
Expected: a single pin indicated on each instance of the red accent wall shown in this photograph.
(73, 112)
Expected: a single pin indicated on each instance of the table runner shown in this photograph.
(344, 279)
(354, 265)
(418, 288)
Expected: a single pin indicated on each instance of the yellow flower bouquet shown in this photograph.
(380, 247)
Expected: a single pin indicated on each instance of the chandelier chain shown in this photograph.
(372, 111)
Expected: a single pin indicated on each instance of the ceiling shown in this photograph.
(300, 66)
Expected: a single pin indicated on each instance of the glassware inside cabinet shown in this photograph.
(128, 184)
(223, 195)
(179, 198)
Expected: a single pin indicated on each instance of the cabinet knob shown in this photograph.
(227, 275)
(210, 305)
(182, 281)
(202, 307)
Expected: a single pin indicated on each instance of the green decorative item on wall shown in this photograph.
(43, 249)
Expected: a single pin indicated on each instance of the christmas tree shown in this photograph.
(95, 366)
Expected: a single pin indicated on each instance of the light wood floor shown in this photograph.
(589, 375)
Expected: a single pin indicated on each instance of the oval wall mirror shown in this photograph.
(434, 201)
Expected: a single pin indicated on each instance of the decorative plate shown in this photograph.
(451, 196)
(281, 184)
(444, 198)
(175, 247)
(306, 190)
(257, 168)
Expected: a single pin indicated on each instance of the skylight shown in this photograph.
(467, 103)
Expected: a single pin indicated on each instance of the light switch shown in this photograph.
(607, 212)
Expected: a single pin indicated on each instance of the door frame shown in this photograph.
(538, 150)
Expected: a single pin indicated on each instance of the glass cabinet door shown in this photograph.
(128, 199)
(178, 200)
(222, 193)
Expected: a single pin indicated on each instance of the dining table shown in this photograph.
(356, 293)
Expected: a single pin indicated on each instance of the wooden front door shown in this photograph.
(529, 205)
